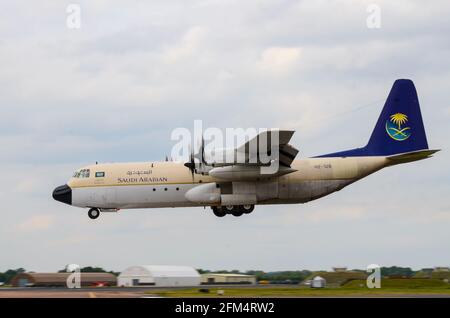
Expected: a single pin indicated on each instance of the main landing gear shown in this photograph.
(94, 213)
(235, 210)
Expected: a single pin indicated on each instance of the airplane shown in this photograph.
(235, 188)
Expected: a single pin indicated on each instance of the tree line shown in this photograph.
(275, 276)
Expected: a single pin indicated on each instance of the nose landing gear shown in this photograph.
(235, 210)
(94, 213)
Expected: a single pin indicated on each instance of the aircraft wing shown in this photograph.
(267, 142)
(248, 161)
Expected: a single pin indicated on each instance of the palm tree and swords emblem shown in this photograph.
(395, 128)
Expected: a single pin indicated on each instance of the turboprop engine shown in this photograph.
(206, 194)
(210, 194)
(242, 172)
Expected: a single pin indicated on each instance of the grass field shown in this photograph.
(348, 291)
(433, 275)
(414, 283)
(336, 279)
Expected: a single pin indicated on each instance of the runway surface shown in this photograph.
(146, 292)
(103, 292)
(66, 293)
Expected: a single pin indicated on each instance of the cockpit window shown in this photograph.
(83, 173)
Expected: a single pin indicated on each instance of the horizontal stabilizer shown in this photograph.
(399, 129)
(411, 156)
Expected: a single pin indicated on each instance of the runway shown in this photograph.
(146, 292)
(56, 292)
(101, 292)
(67, 293)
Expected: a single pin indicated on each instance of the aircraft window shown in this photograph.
(99, 174)
(84, 173)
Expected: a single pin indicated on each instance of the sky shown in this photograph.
(115, 88)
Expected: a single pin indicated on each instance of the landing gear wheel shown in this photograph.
(237, 212)
(93, 213)
(218, 211)
(247, 208)
(234, 210)
(228, 208)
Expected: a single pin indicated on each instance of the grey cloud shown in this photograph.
(114, 90)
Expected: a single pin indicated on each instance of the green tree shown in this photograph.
(91, 269)
(281, 276)
(397, 271)
(9, 274)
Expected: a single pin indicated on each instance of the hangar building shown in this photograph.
(59, 279)
(226, 278)
(159, 275)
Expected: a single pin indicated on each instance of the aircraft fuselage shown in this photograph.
(235, 188)
(165, 184)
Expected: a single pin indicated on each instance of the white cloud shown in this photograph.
(187, 46)
(27, 186)
(280, 59)
(114, 90)
(36, 223)
(346, 213)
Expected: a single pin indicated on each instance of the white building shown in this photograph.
(228, 278)
(159, 275)
(318, 282)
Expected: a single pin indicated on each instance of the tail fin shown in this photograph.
(399, 128)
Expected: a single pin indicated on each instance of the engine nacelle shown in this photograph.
(242, 172)
(207, 194)
(210, 194)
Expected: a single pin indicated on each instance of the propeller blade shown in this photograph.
(203, 150)
(191, 163)
(200, 155)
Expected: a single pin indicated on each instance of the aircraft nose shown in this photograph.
(63, 194)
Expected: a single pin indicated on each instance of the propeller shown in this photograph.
(191, 163)
(200, 156)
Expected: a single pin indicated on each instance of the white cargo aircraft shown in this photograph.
(235, 188)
